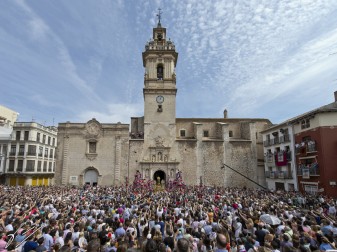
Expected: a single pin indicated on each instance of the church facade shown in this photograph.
(159, 144)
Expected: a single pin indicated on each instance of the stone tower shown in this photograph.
(159, 61)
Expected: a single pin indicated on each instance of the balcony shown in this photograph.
(12, 153)
(269, 157)
(279, 174)
(311, 146)
(308, 170)
(288, 155)
(21, 153)
(306, 147)
(266, 143)
(31, 153)
(276, 140)
(284, 138)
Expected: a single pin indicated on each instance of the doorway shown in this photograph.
(161, 175)
(91, 177)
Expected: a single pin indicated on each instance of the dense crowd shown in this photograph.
(196, 219)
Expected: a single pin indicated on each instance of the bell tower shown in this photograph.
(159, 61)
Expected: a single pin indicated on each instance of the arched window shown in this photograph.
(160, 72)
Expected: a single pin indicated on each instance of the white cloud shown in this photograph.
(114, 113)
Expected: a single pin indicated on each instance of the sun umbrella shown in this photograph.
(270, 219)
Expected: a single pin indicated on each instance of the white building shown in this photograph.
(280, 166)
(7, 117)
(31, 154)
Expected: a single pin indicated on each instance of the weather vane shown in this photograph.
(159, 15)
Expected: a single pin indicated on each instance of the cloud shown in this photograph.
(113, 113)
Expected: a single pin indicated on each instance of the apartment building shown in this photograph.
(31, 154)
(280, 167)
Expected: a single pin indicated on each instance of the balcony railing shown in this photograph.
(31, 153)
(279, 174)
(269, 157)
(311, 146)
(306, 147)
(308, 170)
(266, 143)
(21, 153)
(284, 138)
(12, 153)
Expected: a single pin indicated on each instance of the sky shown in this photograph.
(81, 59)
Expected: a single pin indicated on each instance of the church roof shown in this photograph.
(223, 120)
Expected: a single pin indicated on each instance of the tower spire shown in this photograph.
(159, 17)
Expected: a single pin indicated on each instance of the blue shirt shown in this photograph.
(120, 232)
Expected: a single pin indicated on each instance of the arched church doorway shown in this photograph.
(91, 177)
(161, 176)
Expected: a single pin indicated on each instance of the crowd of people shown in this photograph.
(193, 219)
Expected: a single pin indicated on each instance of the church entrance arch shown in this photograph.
(91, 177)
(162, 176)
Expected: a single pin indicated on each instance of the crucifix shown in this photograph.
(159, 15)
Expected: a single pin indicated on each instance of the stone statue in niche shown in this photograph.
(153, 158)
(160, 156)
(165, 158)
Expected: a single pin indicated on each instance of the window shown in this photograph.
(230, 133)
(38, 137)
(312, 189)
(51, 153)
(305, 123)
(92, 147)
(160, 72)
(182, 133)
(11, 165)
(54, 164)
(13, 150)
(21, 150)
(50, 167)
(20, 166)
(39, 165)
(18, 134)
(31, 150)
(4, 149)
(30, 165)
(205, 133)
(45, 166)
(44, 139)
(53, 141)
(49, 140)
(40, 151)
(46, 152)
(26, 135)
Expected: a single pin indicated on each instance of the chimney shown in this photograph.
(335, 96)
(226, 116)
